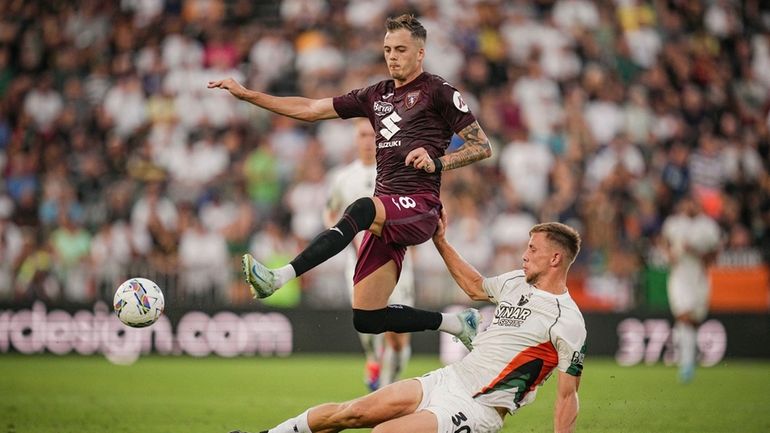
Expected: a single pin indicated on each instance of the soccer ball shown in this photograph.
(138, 302)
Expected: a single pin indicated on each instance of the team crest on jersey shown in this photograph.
(524, 299)
(411, 99)
(382, 108)
(508, 315)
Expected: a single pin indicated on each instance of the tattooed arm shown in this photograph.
(475, 148)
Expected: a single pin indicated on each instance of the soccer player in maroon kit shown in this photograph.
(414, 116)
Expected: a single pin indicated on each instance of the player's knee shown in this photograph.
(396, 345)
(369, 321)
(362, 211)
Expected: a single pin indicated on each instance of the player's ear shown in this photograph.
(421, 53)
(556, 258)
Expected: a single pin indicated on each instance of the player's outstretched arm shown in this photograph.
(475, 148)
(295, 107)
(566, 411)
(467, 277)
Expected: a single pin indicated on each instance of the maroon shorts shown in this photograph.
(409, 220)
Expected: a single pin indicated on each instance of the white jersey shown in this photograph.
(348, 184)
(532, 333)
(688, 286)
(700, 233)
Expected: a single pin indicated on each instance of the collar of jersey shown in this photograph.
(400, 90)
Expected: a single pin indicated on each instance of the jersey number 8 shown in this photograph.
(405, 202)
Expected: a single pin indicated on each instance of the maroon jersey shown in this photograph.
(423, 113)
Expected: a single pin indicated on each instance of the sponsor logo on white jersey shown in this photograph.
(509, 315)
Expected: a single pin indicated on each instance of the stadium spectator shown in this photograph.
(261, 172)
(619, 154)
(230, 213)
(576, 15)
(509, 225)
(11, 243)
(535, 159)
(539, 97)
(469, 233)
(203, 260)
(306, 200)
(271, 57)
(196, 165)
(44, 105)
(111, 254)
(125, 106)
(154, 221)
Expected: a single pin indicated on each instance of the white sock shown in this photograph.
(303, 425)
(298, 424)
(687, 344)
(284, 274)
(369, 344)
(450, 323)
(388, 366)
(284, 427)
(404, 356)
(393, 364)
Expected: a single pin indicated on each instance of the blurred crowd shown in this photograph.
(116, 159)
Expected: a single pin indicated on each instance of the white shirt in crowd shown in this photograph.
(536, 161)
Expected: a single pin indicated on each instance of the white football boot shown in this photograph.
(261, 280)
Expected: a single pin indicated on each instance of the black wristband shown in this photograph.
(438, 164)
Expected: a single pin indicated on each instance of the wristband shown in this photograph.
(438, 164)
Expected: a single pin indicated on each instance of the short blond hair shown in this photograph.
(561, 234)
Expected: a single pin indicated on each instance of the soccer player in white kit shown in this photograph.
(537, 328)
(386, 354)
(691, 239)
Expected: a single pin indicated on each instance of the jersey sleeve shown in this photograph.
(353, 103)
(452, 107)
(497, 287)
(570, 344)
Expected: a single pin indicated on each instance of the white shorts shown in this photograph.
(689, 295)
(403, 293)
(455, 410)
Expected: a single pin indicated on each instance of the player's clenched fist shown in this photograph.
(232, 86)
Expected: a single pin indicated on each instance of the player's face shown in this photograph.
(365, 141)
(537, 257)
(403, 55)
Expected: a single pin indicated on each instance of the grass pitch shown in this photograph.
(49, 394)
